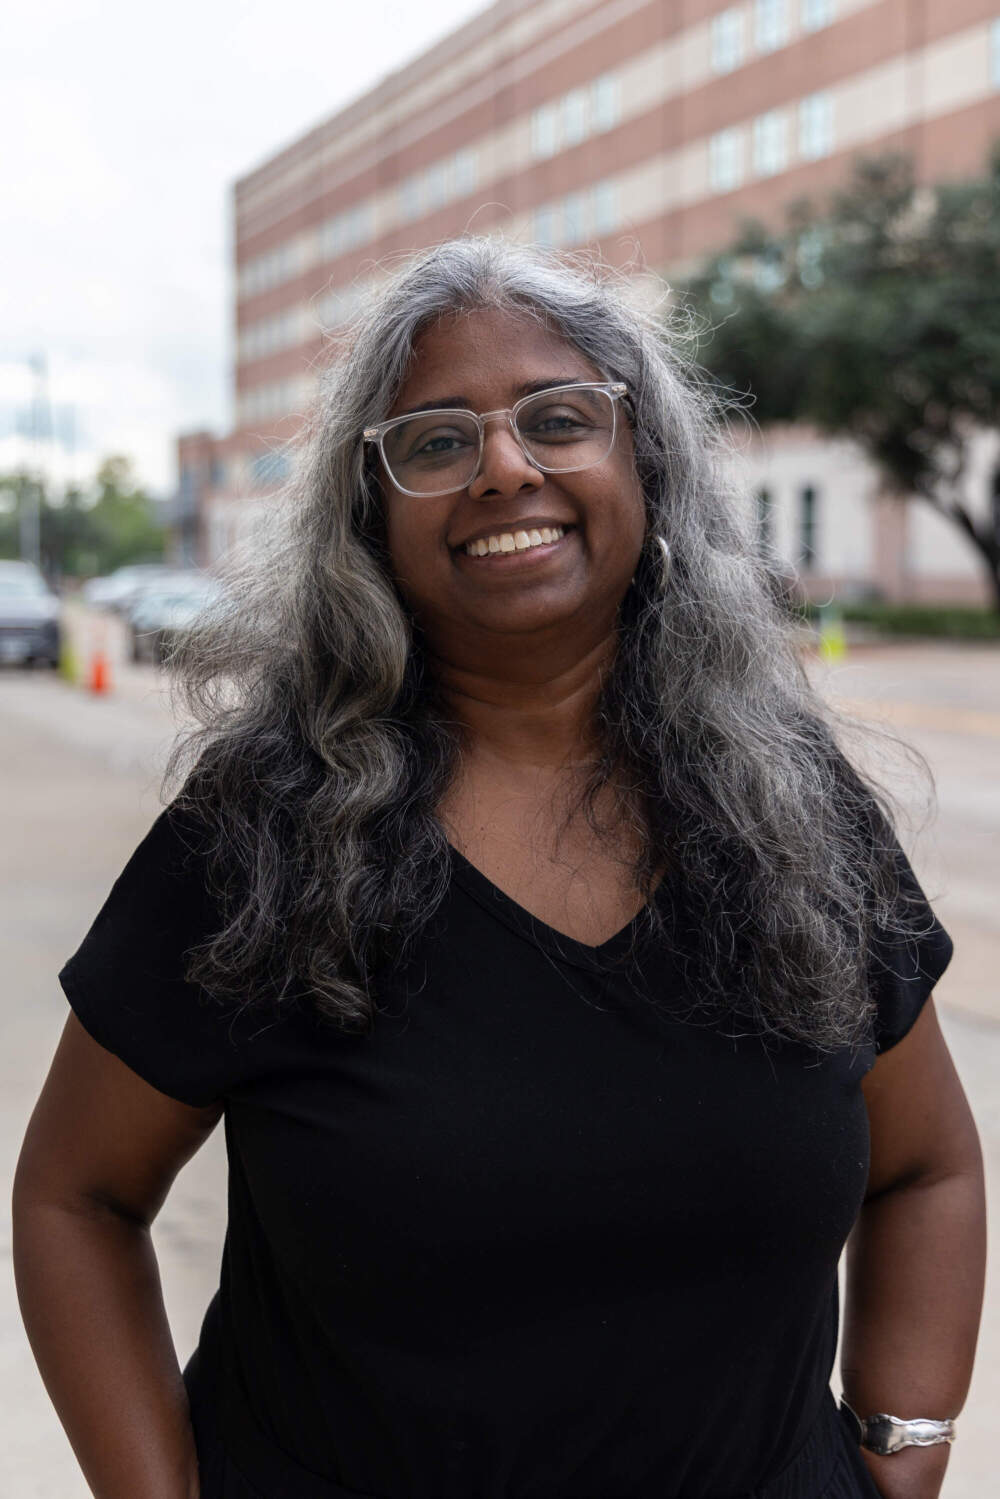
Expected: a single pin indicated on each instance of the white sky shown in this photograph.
(123, 128)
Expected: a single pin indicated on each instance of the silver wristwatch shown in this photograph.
(887, 1434)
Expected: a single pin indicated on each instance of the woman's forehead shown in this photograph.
(488, 354)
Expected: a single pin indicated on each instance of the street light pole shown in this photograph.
(31, 497)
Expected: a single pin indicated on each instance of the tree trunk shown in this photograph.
(985, 538)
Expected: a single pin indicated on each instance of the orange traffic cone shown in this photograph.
(99, 677)
(100, 673)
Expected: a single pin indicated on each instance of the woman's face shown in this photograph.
(486, 360)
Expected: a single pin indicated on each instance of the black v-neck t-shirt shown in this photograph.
(540, 1235)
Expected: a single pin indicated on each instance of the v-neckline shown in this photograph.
(539, 933)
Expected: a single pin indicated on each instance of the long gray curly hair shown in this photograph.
(321, 752)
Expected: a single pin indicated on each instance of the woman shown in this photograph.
(551, 968)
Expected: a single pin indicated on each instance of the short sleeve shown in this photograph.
(906, 964)
(126, 982)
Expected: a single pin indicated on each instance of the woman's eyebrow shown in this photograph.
(535, 385)
(451, 403)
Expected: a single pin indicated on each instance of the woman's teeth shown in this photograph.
(514, 541)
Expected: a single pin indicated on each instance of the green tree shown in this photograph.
(67, 542)
(123, 524)
(83, 534)
(16, 491)
(875, 317)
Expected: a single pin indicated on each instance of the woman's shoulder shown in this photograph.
(128, 981)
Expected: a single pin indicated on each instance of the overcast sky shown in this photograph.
(123, 128)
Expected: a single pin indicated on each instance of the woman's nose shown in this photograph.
(504, 469)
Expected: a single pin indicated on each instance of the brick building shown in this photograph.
(647, 129)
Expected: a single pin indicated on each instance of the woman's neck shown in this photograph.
(527, 713)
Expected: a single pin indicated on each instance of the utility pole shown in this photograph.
(31, 498)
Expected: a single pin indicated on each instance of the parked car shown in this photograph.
(165, 608)
(118, 590)
(29, 617)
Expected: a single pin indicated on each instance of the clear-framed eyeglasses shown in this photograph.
(560, 431)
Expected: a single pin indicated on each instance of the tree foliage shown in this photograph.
(876, 317)
(84, 533)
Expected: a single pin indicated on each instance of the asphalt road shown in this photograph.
(79, 785)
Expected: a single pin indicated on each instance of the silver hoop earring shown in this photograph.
(666, 560)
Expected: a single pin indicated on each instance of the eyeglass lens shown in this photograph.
(436, 451)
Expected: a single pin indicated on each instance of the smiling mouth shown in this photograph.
(513, 541)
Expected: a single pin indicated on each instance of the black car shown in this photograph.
(29, 617)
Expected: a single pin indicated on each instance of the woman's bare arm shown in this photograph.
(916, 1258)
(100, 1153)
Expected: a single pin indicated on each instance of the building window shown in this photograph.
(995, 53)
(574, 113)
(330, 239)
(765, 520)
(544, 226)
(575, 219)
(770, 143)
(411, 199)
(545, 131)
(816, 14)
(437, 185)
(808, 506)
(339, 306)
(770, 24)
(607, 213)
(727, 40)
(605, 102)
(268, 469)
(346, 230)
(269, 270)
(725, 160)
(816, 126)
(465, 172)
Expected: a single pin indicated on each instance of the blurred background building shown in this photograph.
(645, 129)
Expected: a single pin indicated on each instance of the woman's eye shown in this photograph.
(555, 423)
(438, 444)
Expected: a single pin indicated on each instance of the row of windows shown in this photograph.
(269, 335)
(573, 220)
(425, 191)
(454, 177)
(346, 231)
(270, 269)
(575, 117)
(770, 143)
(266, 403)
(578, 217)
(769, 28)
(339, 306)
(556, 126)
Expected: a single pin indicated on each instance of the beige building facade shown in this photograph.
(646, 130)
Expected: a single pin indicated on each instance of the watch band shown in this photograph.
(884, 1434)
